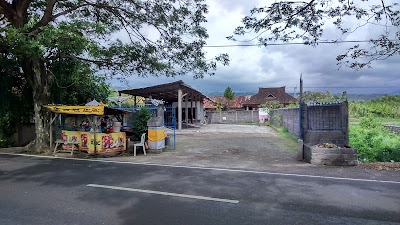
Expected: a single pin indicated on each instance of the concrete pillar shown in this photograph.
(191, 107)
(180, 110)
(187, 109)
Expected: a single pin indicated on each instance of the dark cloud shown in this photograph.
(273, 66)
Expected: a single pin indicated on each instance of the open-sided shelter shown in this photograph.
(178, 94)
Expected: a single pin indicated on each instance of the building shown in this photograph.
(236, 103)
(265, 95)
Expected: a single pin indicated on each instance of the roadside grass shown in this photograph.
(290, 141)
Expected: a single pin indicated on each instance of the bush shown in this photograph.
(7, 129)
(374, 142)
(140, 122)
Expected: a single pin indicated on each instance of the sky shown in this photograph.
(275, 66)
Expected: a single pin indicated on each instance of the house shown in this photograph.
(236, 103)
(269, 94)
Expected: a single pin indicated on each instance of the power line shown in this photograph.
(287, 43)
(348, 87)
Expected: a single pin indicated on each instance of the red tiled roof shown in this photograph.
(270, 94)
(236, 103)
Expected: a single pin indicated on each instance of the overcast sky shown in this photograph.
(274, 66)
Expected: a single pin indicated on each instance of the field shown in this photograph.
(367, 133)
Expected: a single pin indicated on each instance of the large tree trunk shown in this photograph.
(39, 79)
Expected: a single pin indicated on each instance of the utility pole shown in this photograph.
(301, 89)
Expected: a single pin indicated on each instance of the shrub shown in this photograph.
(374, 142)
(140, 122)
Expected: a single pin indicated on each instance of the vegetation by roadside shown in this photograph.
(284, 134)
(374, 142)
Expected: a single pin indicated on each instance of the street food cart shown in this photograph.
(98, 131)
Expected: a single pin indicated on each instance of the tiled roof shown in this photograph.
(270, 94)
(236, 103)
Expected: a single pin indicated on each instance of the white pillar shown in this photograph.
(180, 110)
(187, 109)
(191, 108)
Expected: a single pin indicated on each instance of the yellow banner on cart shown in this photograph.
(105, 143)
(156, 135)
(81, 110)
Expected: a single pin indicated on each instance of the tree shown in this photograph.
(305, 20)
(321, 97)
(272, 105)
(229, 95)
(74, 83)
(37, 33)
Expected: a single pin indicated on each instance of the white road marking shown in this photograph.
(209, 168)
(164, 193)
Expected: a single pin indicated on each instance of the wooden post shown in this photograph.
(180, 110)
(94, 135)
(134, 104)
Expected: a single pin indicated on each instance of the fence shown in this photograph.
(230, 117)
(316, 123)
(287, 117)
(169, 120)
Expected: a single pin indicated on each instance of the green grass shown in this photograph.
(373, 141)
(291, 141)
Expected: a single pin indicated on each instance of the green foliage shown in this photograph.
(57, 48)
(374, 142)
(140, 122)
(386, 106)
(74, 82)
(272, 105)
(321, 97)
(305, 21)
(229, 94)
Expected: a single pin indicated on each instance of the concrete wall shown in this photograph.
(24, 134)
(320, 123)
(287, 117)
(330, 156)
(231, 117)
(393, 128)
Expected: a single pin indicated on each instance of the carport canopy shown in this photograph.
(169, 92)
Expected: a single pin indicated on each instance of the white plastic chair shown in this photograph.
(142, 139)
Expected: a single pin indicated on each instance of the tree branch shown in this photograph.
(47, 17)
(8, 11)
(97, 62)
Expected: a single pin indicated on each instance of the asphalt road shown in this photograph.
(55, 191)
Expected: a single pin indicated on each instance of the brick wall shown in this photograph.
(231, 117)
